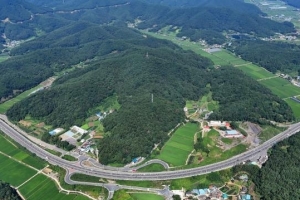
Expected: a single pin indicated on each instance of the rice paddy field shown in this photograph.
(229, 57)
(42, 187)
(255, 71)
(3, 57)
(14, 172)
(281, 87)
(180, 145)
(295, 108)
(12, 150)
(6, 105)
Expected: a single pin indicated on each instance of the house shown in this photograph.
(244, 177)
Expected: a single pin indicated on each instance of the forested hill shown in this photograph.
(295, 3)
(237, 5)
(213, 17)
(133, 67)
(18, 10)
(58, 51)
(15, 17)
(218, 15)
(279, 177)
(274, 56)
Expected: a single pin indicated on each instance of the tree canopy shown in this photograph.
(7, 192)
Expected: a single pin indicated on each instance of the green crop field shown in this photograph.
(3, 58)
(224, 55)
(152, 168)
(40, 185)
(255, 71)
(180, 145)
(187, 45)
(14, 172)
(146, 196)
(269, 131)
(6, 105)
(13, 151)
(295, 107)
(281, 87)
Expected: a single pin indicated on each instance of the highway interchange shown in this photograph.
(125, 175)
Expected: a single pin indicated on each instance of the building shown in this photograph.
(73, 134)
(245, 197)
(181, 193)
(200, 192)
(244, 177)
(56, 131)
(233, 134)
(216, 124)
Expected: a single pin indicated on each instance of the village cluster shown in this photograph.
(215, 193)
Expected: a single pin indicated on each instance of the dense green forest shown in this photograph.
(210, 36)
(8, 193)
(238, 5)
(217, 16)
(248, 101)
(169, 73)
(37, 60)
(274, 56)
(279, 177)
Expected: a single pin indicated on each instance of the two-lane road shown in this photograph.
(123, 175)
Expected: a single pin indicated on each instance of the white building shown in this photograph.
(216, 123)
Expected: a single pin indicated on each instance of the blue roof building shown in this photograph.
(225, 196)
(200, 192)
(246, 197)
(232, 132)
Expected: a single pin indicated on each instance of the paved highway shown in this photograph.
(122, 175)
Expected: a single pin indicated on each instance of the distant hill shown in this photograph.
(237, 5)
(294, 3)
(18, 10)
(15, 18)
(214, 15)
